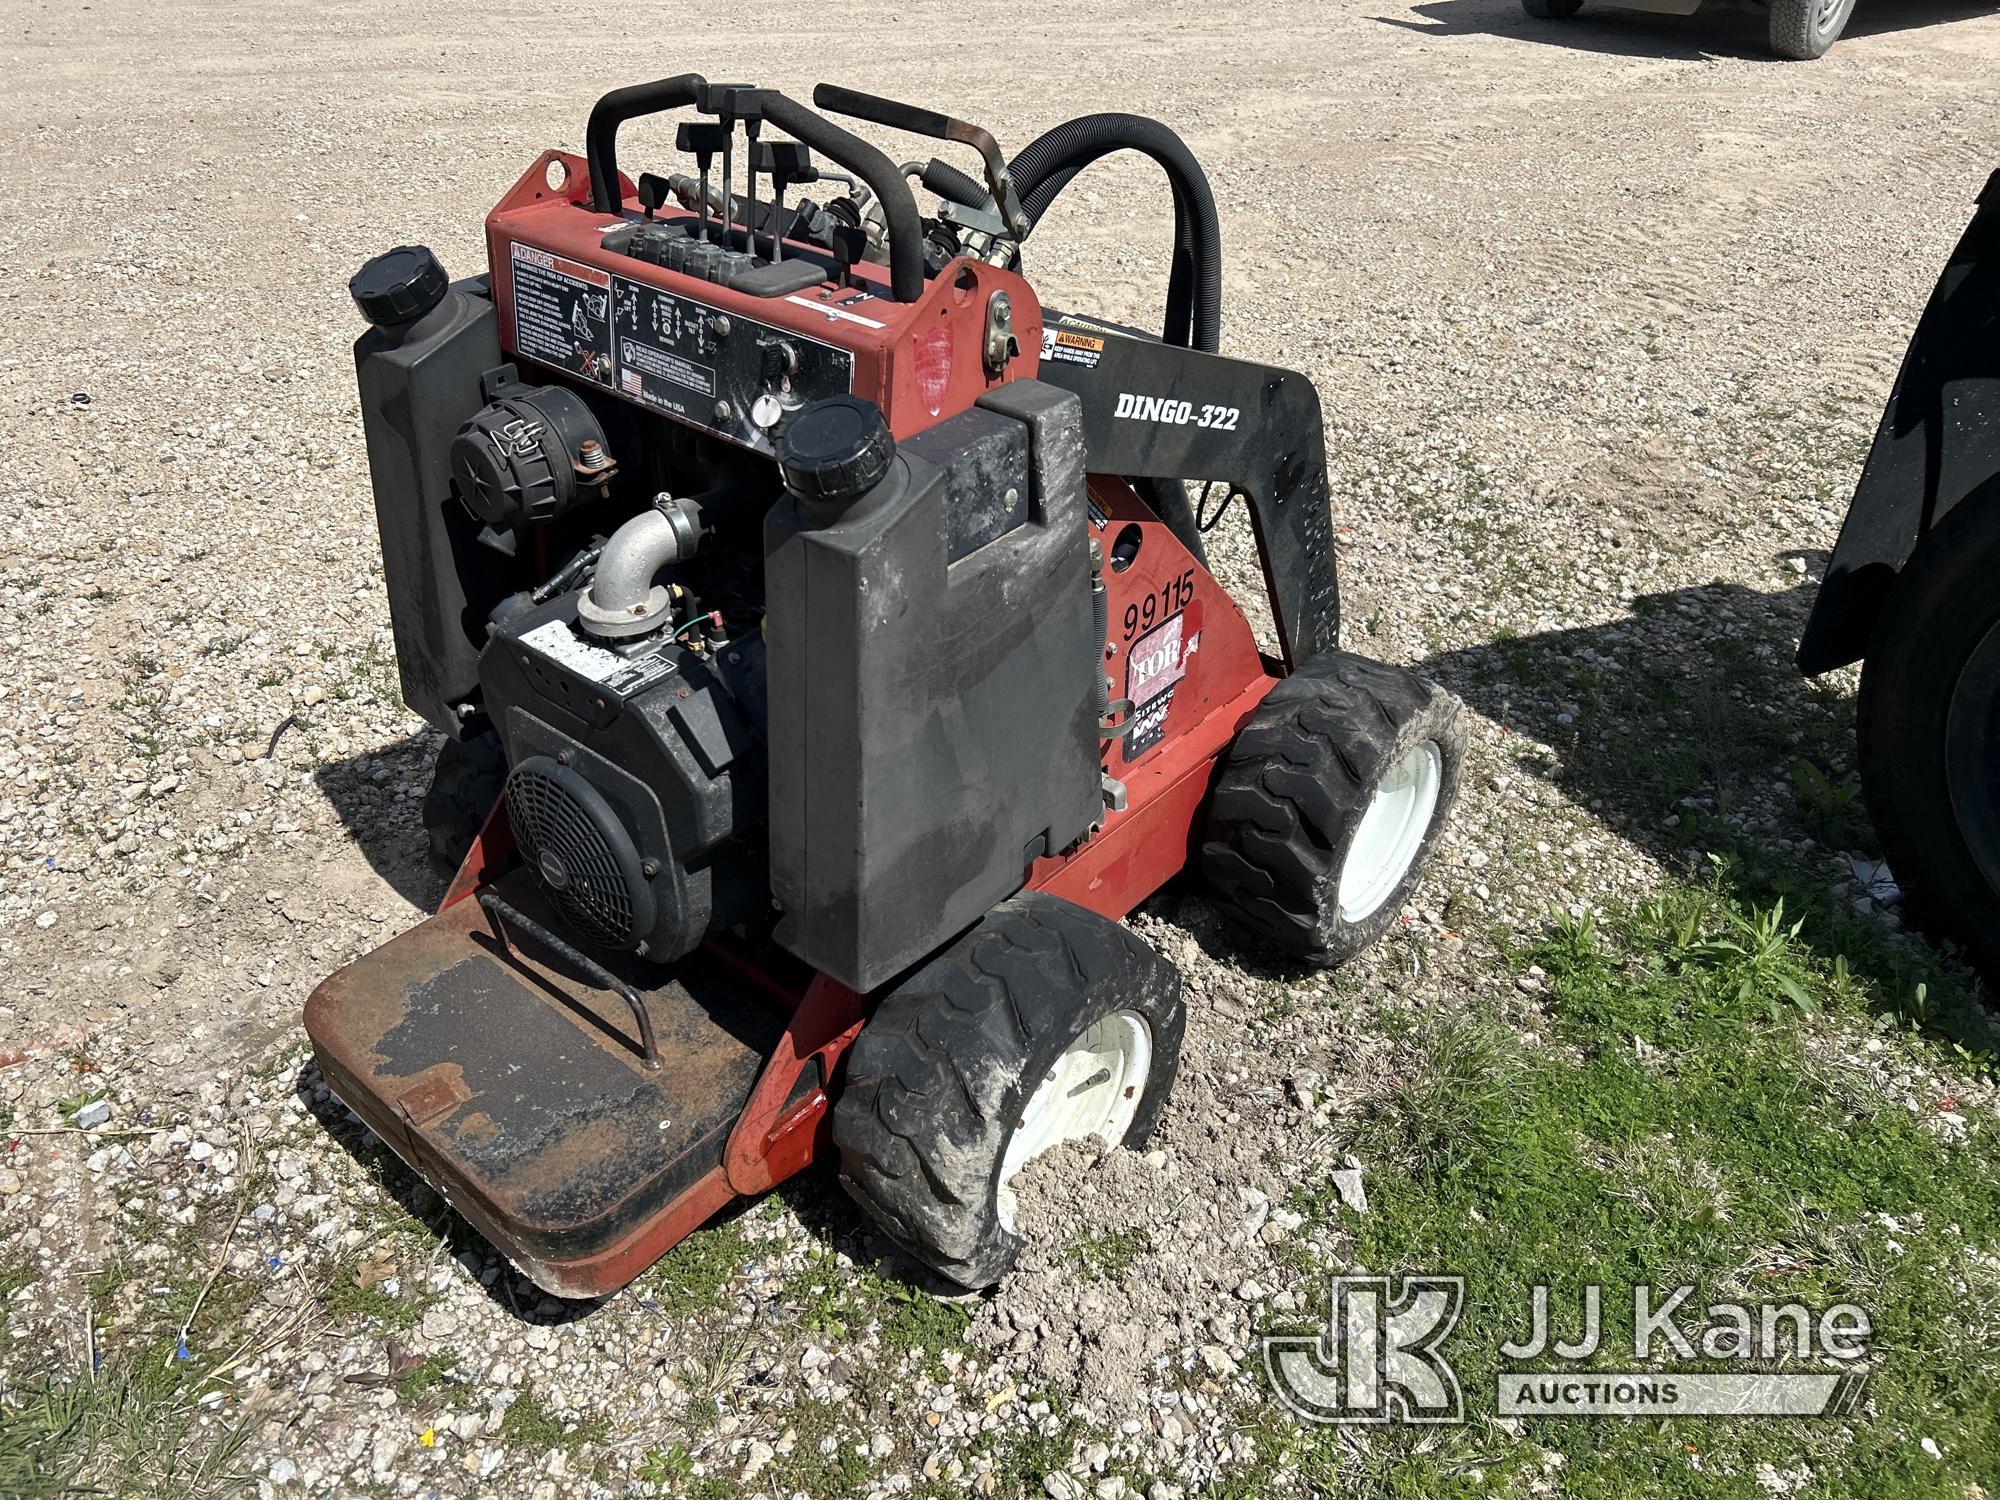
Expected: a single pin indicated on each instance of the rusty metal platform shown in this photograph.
(515, 1084)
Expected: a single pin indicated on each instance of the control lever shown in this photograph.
(850, 243)
(730, 102)
(702, 142)
(940, 127)
(786, 163)
(653, 191)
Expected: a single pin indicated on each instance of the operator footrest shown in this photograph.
(514, 1081)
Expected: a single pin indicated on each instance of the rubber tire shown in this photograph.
(1795, 32)
(1293, 789)
(1940, 608)
(1552, 10)
(467, 780)
(937, 1078)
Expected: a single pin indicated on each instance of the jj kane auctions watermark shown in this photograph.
(1384, 1357)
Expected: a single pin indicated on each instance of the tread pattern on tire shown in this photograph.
(1794, 30)
(1899, 728)
(1294, 786)
(939, 1072)
(465, 783)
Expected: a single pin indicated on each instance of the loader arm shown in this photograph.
(1157, 411)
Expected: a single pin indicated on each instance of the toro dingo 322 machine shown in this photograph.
(829, 659)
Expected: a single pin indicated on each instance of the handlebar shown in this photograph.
(904, 232)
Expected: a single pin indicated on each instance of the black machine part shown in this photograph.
(398, 286)
(834, 451)
(637, 780)
(1928, 724)
(419, 383)
(1937, 448)
(525, 457)
(1152, 411)
(1295, 786)
(939, 1077)
(1193, 318)
(899, 208)
(932, 726)
(582, 855)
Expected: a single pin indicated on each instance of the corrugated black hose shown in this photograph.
(1049, 163)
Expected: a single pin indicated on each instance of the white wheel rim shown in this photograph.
(1094, 1089)
(1391, 832)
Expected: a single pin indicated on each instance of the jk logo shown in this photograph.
(1378, 1360)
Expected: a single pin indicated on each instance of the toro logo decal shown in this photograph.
(1156, 662)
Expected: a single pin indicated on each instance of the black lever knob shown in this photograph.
(786, 163)
(701, 140)
(730, 101)
(850, 243)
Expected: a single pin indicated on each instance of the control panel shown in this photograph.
(734, 375)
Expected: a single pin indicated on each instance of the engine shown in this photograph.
(637, 772)
(757, 662)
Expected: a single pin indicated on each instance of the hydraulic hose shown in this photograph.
(1100, 630)
(1193, 319)
(942, 178)
(1048, 163)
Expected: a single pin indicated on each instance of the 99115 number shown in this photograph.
(1173, 595)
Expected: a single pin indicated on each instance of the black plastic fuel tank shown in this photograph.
(931, 660)
(419, 383)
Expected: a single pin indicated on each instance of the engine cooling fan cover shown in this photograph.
(580, 851)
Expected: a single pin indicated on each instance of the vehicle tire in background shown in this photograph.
(469, 776)
(1045, 1023)
(1552, 10)
(1803, 29)
(1929, 730)
(1329, 804)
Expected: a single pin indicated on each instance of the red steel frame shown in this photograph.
(1217, 678)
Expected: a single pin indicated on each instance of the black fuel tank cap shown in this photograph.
(399, 286)
(835, 450)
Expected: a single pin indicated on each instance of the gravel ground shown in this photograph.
(1602, 316)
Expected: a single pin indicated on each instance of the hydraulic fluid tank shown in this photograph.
(419, 382)
(931, 663)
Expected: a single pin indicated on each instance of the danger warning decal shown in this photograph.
(562, 313)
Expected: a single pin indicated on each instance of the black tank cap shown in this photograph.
(399, 286)
(835, 450)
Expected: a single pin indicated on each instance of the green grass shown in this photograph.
(133, 1426)
(133, 1433)
(671, 1468)
(69, 1105)
(417, 1383)
(530, 1424)
(348, 1301)
(1022, 1457)
(806, 1470)
(16, 1271)
(1107, 1255)
(1700, 1111)
(833, 1300)
(700, 1273)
